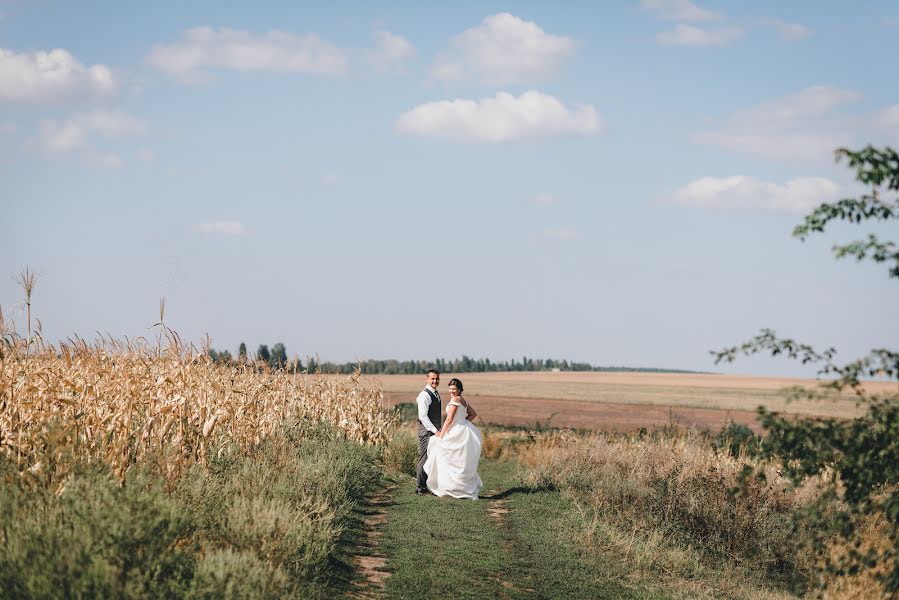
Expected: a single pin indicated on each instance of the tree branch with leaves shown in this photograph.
(858, 459)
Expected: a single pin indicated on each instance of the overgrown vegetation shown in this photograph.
(144, 470)
(858, 459)
(273, 523)
(676, 488)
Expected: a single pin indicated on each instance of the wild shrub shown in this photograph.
(401, 452)
(857, 459)
(737, 439)
(97, 538)
(272, 523)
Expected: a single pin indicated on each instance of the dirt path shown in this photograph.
(370, 560)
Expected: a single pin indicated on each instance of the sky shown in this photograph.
(613, 183)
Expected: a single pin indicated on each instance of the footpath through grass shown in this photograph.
(514, 542)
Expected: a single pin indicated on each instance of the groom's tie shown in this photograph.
(439, 410)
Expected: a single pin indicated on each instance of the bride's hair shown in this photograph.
(456, 382)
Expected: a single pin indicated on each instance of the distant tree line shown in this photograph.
(276, 359)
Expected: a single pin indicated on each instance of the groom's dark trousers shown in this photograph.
(421, 481)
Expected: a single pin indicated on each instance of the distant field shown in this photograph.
(624, 401)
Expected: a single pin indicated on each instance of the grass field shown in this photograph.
(625, 401)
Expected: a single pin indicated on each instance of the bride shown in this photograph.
(454, 451)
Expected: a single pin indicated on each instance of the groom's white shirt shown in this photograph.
(424, 401)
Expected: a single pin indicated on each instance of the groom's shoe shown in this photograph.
(424, 492)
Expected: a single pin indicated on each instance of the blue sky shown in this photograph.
(614, 183)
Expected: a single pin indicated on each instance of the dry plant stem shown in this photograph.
(27, 279)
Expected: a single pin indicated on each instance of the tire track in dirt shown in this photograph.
(369, 560)
(498, 509)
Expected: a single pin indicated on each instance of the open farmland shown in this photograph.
(627, 401)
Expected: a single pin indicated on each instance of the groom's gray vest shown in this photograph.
(433, 412)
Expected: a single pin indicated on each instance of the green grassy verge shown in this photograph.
(275, 523)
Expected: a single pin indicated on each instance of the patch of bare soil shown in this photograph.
(605, 416)
(497, 509)
(370, 561)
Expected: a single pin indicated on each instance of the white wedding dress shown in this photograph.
(452, 464)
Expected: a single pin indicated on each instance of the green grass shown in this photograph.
(279, 522)
(440, 547)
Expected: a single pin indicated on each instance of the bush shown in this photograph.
(737, 439)
(228, 574)
(400, 455)
(96, 539)
(272, 523)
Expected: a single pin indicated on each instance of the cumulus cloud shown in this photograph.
(678, 10)
(690, 35)
(788, 31)
(390, 51)
(501, 118)
(203, 48)
(805, 126)
(503, 49)
(221, 227)
(51, 78)
(545, 200)
(79, 134)
(797, 196)
(888, 120)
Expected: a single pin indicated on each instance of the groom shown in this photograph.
(429, 414)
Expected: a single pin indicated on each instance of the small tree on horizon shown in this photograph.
(262, 354)
(278, 358)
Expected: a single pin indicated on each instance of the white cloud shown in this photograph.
(788, 31)
(390, 51)
(804, 126)
(60, 137)
(690, 35)
(7, 128)
(500, 119)
(889, 21)
(797, 196)
(221, 227)
(678, 10)
(502, 50)
(330, 178)
(80, 132)
(888, 119)
(545, 200)
(146, 155)
(203, 48)
(54, 77)
(112, 124)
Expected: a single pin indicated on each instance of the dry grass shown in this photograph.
(676, 509)
(119, 402)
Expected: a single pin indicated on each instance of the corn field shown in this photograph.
(119, 402)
